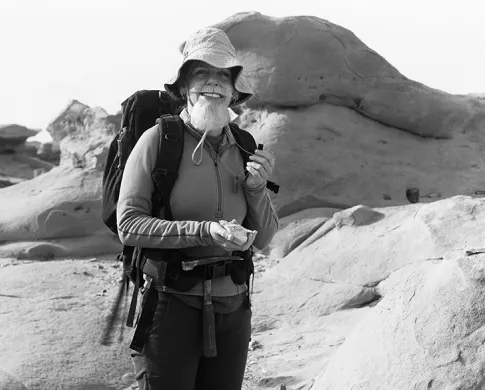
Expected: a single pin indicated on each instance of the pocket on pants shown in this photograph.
(161, 311)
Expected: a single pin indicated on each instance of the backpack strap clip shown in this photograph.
(171, 137)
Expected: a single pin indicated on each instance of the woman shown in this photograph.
(211, 186)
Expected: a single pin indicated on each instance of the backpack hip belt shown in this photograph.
(205, 268)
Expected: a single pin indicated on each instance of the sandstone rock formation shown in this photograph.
(360, 295)
(345, 125)
(298, 61)
(13, 137)
(18, 159)
(427, 332)
(415, 233)
(372, 297)
(58, 214)
(380, 298)
(329, 156)
(83, 134)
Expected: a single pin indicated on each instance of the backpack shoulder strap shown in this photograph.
(245, 140)
(170, 150)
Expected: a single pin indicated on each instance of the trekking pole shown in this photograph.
(113, 314)
(208, 323)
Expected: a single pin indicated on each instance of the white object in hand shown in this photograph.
(239, 233)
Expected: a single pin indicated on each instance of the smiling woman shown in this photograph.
(209, 92)
(198, 336)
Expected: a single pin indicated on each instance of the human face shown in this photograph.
(206, 82)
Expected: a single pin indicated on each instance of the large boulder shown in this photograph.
(427, 332)
(342, 262)
(303, 60)
(61, 203)
(345, 125)
(375, 289)
(55, 215)
(329, 156)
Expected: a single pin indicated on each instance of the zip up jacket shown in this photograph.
(212, 191)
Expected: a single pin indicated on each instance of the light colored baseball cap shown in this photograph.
(213, 47)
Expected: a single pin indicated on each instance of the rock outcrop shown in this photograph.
(303, 60)
(83, 134)
(427, 332)
(58, 214)
(381, 298)
(329, 156)
(345, 125)
(13, 137)
(331, 152)
(18, 159)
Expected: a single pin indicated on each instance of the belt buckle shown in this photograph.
(214, 271)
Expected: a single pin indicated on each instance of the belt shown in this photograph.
(207, 268)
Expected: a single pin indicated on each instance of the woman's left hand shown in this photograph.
(260, 168)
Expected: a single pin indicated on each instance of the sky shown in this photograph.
(101, 51)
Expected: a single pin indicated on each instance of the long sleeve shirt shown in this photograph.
(211, 191)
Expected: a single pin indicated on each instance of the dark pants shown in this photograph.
(172, 357)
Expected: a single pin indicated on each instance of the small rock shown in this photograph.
(253, 345)
(102, 293)
(412, 195)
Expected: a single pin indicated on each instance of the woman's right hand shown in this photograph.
(225, 239)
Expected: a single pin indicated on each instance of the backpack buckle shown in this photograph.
(171, 137)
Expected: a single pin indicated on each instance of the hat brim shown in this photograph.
(218, 59)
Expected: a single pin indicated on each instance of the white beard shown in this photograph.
(209, 115)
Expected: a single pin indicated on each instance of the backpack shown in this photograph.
(141, 111)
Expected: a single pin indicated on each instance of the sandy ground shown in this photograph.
(279, 358)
